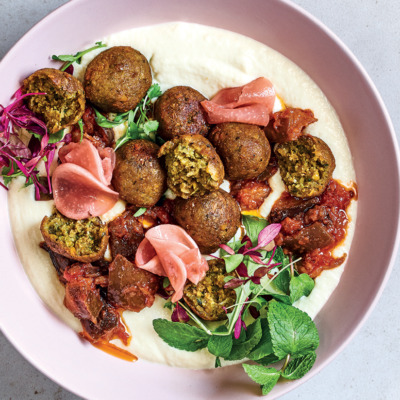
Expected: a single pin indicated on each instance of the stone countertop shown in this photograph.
(369, 366)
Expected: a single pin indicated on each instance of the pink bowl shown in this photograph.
(76, 365)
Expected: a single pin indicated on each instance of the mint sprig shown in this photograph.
(292, 330)
(280, 332)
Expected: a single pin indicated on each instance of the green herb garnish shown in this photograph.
(280, 332)
(139, 126)
(69, 59)
(140, 212)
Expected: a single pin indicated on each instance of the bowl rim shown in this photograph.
(396, 242)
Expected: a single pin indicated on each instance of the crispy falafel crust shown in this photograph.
(243, 148)
(117, 79)
(306, 165)
(179, 112)
(193, 166)
(64, 102)
(81, 240)
(210, 220)
(139, 176)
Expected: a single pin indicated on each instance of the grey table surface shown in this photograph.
(369, 367)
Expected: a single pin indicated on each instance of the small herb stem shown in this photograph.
(285, 363)
(195, 318)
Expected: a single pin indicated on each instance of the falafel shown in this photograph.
(243, 148)
(209, 299)
(139, 176)
(179, 112)
(306, 165)
(211, 219)
(117, 79)
(64, 102)
(193, 166)
(83, 240)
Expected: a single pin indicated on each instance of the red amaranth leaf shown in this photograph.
(267, 235)
(227, 249)
(179, 314)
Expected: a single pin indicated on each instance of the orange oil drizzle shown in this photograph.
(115, 351)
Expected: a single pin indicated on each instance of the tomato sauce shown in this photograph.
(329, 214)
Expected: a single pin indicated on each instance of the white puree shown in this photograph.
(207, 59)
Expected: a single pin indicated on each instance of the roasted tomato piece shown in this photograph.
(130, 287)
(288, 124)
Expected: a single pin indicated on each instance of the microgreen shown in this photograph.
(257, 328)
(18, 158)
(68, 59)
(139, 126)
(140, 212)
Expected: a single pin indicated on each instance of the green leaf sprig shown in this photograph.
(281, 332)
(68, 59)
(139, 126)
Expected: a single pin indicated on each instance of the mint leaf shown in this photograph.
(280, 257)
(181, 336)
(297, 368)
(264, 346)
(266, 377)
(300, 286)
(253, 337)
(220, 346)
(282, 281)
(232, 261)
(268, 360)
(283, 298)
(292, 331)
(253, 226)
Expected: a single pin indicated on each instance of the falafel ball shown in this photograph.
(179, 112)
(64, 102)
(209, 299)
(117, 79)
(193, 165)
(306, 165)
(83, 240)
(210, 220)
(139, 176)
(243, 148)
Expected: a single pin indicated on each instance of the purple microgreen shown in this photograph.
(252, 252)
(234, 283)
(242, 270)
(267, 235)
(195, 318)
(179, 314)
(228, 249)
(239, 323)
(254, 312)
(69, 69)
